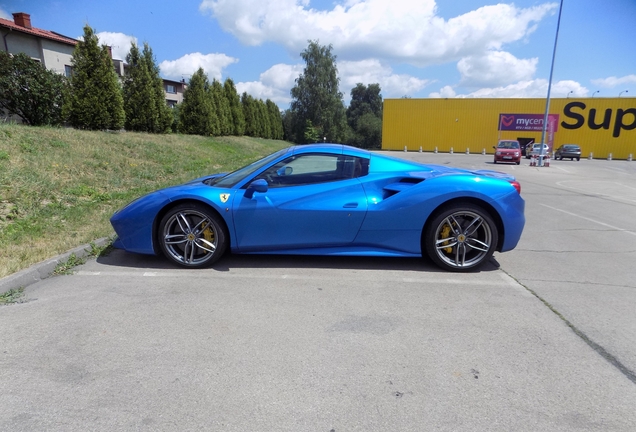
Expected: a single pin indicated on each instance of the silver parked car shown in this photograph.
(536, 150)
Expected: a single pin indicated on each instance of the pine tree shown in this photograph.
(247, 103)
(95, 100)
(275, 120)
(236, 109)
(164, 115)
(195, 116)
(265, 122)
(222, 108)
(141, 114)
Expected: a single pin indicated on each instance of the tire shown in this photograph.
(192, 235)
(495, 161)
(578, 159)
(518, 162)
(461, 237)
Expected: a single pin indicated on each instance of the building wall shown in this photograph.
(19, 42)
(56, 55)
(599, 125)
(53, 55)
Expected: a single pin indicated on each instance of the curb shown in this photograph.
(44, 269)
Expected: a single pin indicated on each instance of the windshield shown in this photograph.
(235, 177)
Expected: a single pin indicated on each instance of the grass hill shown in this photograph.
(59, 187)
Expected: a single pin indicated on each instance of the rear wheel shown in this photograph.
(460, 238)
(192, 235)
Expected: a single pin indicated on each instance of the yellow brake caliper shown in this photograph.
(208, 234)
(444, 233)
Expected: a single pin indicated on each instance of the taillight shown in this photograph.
(516, 185)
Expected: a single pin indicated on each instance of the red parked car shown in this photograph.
(508, 151)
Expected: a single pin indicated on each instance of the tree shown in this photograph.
(29, 90)
(275, 120)
(222, 108)
(265, 128)
(196, 113)
(95, 100)
(164, 116)
(249, 112)
(139, 104)
(364, 116)
(315, 96)
(236, 110)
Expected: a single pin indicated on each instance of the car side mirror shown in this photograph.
(259, 185)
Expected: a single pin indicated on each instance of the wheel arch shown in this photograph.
(170, 206)
(494, 214)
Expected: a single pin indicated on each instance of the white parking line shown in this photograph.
(590, 220)
(494, 279)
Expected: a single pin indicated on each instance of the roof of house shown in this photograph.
(34, 31)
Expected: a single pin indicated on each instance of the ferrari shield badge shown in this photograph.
(224, 197)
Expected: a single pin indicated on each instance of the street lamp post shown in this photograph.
(624, 91)
(568, 96)
(547, 101)
(594, 93)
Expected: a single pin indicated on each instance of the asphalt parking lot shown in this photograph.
(543, 338)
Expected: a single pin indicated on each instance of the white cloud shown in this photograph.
(524, 89)
(5, 15)
(386, 29)
(495, 68)
(373, 71)
(186, 66)
(613, 81)
(275, 84)
(444, 92)
(120, 43)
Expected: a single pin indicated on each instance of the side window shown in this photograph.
(309, 169)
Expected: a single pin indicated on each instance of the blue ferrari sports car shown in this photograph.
(329, 199)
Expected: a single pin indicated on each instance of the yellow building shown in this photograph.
(599, 125)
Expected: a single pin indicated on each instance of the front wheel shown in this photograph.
(461, 238)
(192, 235)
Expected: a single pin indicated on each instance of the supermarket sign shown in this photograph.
(526, 122)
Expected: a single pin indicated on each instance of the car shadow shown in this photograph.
(121, 258)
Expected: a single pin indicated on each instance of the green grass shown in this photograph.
(59, 187)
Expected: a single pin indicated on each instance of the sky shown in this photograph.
(412, 48)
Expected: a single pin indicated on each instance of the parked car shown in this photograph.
(329, 199)
(571, 151)
(536, 150)
(508, 151)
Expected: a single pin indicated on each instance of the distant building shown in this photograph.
(55, 51)
(603, 127)
(52, 49)
(174, 91)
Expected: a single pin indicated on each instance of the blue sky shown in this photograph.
(415, 48)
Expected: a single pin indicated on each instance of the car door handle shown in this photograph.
(350, 205)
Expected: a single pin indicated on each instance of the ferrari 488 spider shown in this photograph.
(329, 199)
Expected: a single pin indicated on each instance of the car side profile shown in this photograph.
(329, 199)
(571, 151)
(507, 151)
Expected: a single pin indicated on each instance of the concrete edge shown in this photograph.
(44, 269)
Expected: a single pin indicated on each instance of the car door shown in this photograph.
(312, 200)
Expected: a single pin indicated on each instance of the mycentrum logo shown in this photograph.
(525, 122)
(507, 120)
